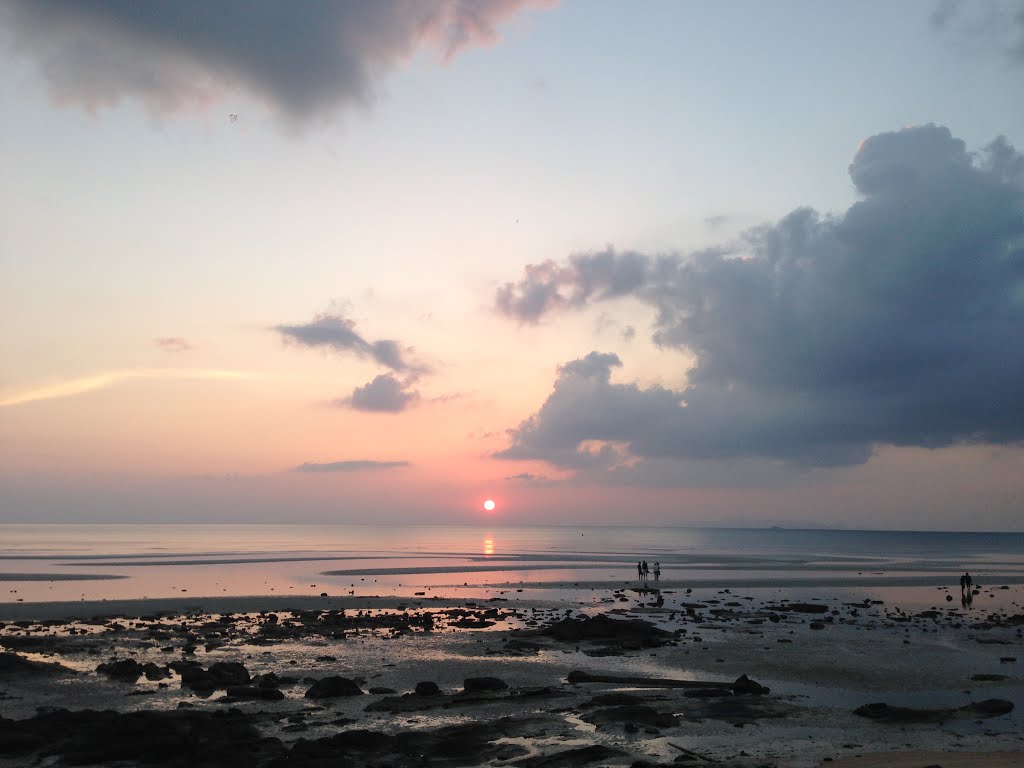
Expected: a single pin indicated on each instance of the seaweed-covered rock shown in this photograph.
(603, 628)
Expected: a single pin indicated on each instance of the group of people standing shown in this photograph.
(643, 572)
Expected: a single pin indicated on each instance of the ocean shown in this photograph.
(42, 563)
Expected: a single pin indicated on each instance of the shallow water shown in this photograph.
(105, 562)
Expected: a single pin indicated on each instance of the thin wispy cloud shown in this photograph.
(303, 59)
(86, 384)
(338, 333)
(172, 344)
(354, 465)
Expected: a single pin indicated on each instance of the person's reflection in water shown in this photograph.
(966, 599)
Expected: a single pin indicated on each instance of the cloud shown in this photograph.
(338, 333)
(547, 286)
(385, 394)
(818, 337)
(172, 344)
(995, 25)
(85, 384)
(303, 60)
(354, 465)
(528, 478)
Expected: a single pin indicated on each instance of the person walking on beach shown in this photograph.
(640, 572)
(646, 570)
(657, 570)
(966, 583)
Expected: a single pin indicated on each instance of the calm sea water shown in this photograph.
(96, 562)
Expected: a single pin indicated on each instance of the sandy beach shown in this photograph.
(619, 676)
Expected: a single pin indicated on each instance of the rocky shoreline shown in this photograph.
(645, 678)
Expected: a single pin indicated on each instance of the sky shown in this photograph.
(687, 263)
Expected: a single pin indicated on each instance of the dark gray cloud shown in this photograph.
(587, 277)
(355, 465)
(339, 333)
(385, 394)
(303, 58)
(994, 25)
(818, 337)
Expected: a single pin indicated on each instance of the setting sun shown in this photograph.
(489, 505)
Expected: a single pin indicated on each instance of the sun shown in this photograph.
(489, 505)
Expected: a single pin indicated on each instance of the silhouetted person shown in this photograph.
(657, 570)
(646, 569)
(966, 583)
(640, 571)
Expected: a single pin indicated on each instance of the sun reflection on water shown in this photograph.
(489, 545)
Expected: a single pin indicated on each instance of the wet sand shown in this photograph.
(58, 576)
(822, 659)
(943, 759)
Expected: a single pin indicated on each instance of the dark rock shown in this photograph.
(250, 693)
(154, 672)
(13, 664)
(176, 738)
(884, 713)
(804, 608)
(268, 680)
(427, 688)
(744, 684)
(573, 758)
(220, 675)
(128, 670)
(332, 687)
(477, 684)
(615, 699)
(988, 708)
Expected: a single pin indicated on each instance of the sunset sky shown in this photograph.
(733, 263)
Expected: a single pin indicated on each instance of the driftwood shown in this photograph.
(742, 684)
